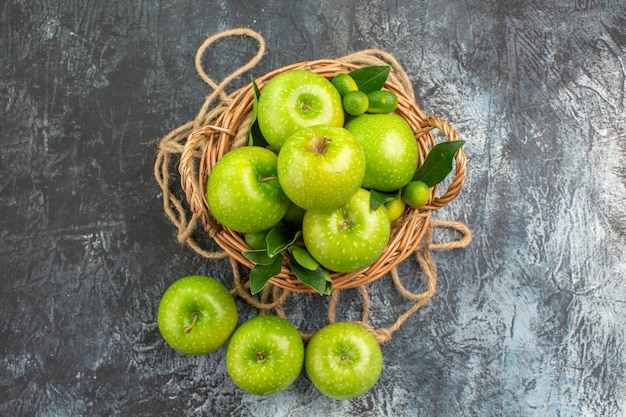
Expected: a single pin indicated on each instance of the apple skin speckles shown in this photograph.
(343, 360)
(321, 167)
(294, 100)
(265, 355)
(390, 150)
(196, 315)
(349, 238)
(243, 190)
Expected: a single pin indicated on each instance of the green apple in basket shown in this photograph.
(321, 167)
(296, 99)
(390, 150)
(348, 238)
(243, 191)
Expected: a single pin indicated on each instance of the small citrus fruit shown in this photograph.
(355, 102)
(343, 83)
(382, 101)
(416, 193)
(395, 208)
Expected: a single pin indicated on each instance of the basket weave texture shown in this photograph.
(223, 124)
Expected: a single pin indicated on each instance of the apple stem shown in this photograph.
(324, 145)
(260, 357)
(319, 145)
(193, 323)
(263, 180)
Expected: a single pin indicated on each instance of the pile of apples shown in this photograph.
(266, 354)
(319, 149)
(304, 186)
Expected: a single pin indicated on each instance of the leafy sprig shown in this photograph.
(438, 163)
(268, 262)
(370, 78)
(255, 137)
(378, 198)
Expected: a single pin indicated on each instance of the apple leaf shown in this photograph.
(370, 78)
(329, 282)
(378, 198)
(258, 256)
(255, 137)
(315, 279)
(260, 274)
(303, 257)
(438, 163)
(280, 238)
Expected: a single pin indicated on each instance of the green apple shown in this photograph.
(296, 99)
(390, 150)
(343, 360)
(349, 238)
(197, 314)
(321, 167)
(243, 190)
(265, 355)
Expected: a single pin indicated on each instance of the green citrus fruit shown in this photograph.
(395, 208)
(382, 101)
(355, 102)
(416, 193)
(344, 83)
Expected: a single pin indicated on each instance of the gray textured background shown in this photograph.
(527, 321)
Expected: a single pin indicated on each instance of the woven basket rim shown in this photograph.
(205, 146)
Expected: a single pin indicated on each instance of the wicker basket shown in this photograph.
(204, 147)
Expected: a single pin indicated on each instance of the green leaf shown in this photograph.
(303, 257)
(378, 198)
(314, 279)
(329, 282)
(260, 274)
(280, 238)
(370, 78)
(255, 137)
(438, 163)
(258, 256)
